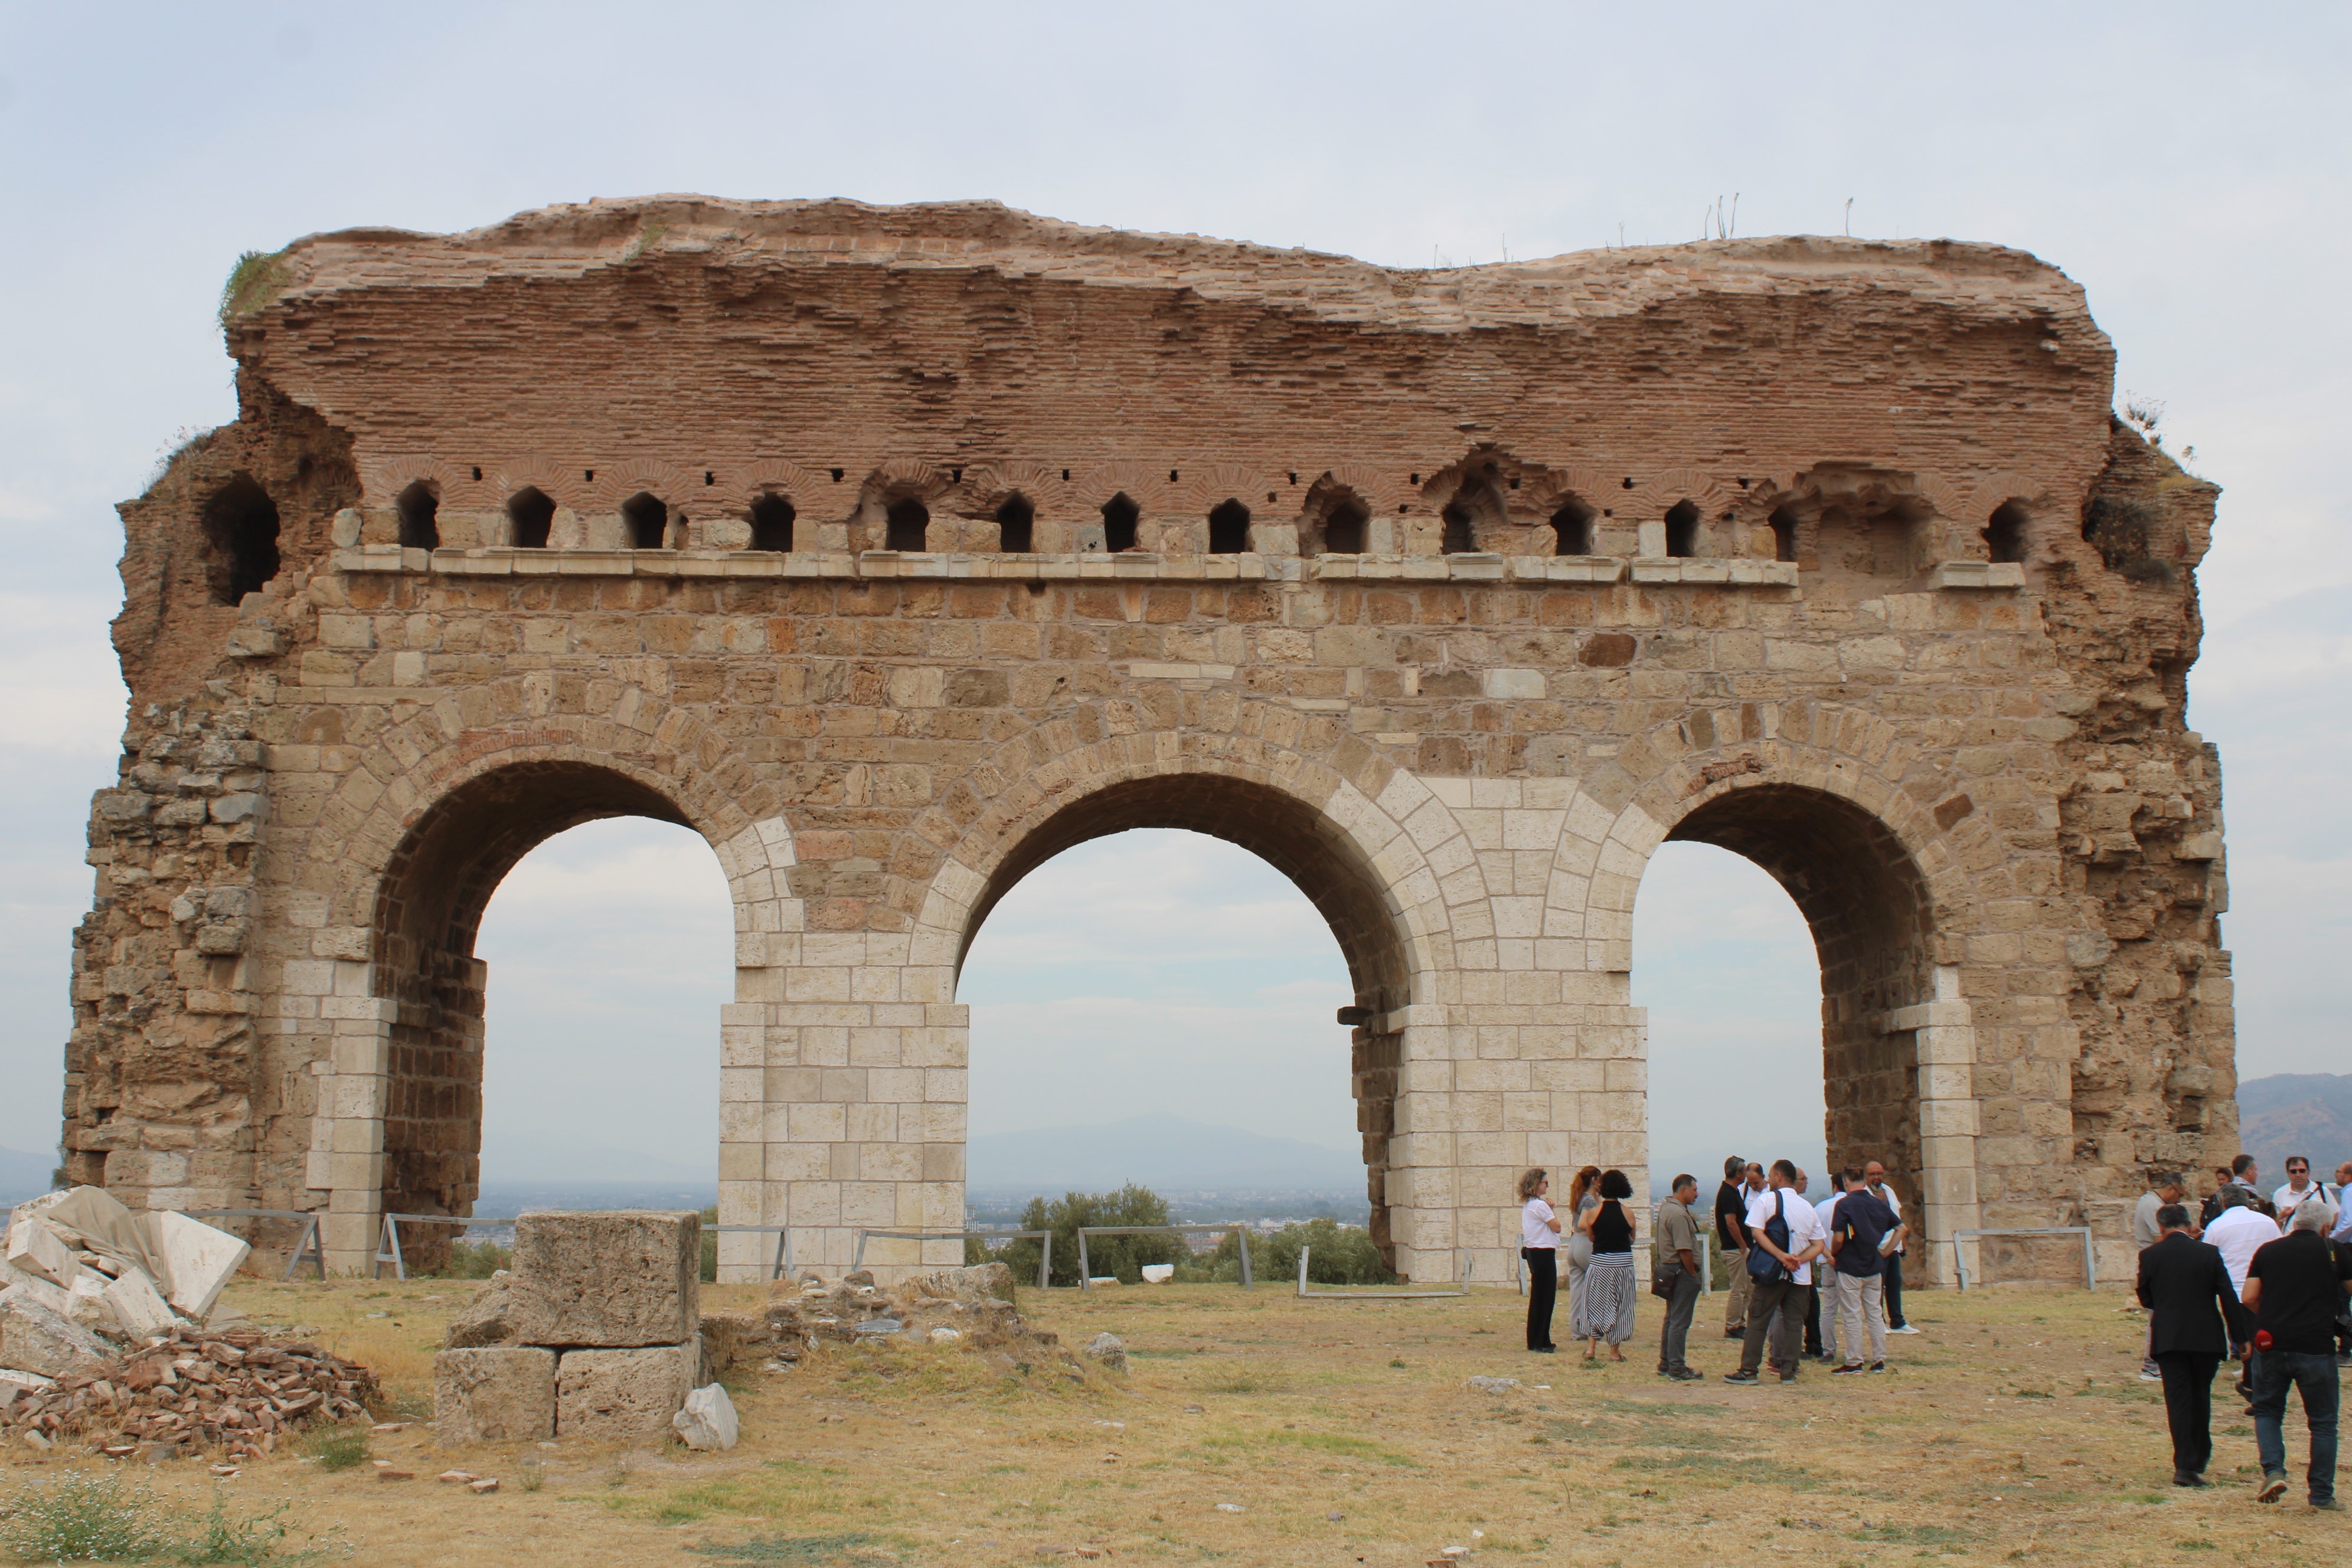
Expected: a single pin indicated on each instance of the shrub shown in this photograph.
(1336, 1255)
(1123, 1256)
(709, 1246)
(82, 1517)
(258, 278)
(339, 1450)
(473, 1260)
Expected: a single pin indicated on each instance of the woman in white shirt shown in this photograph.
(1539, 1247)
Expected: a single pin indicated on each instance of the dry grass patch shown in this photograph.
(2014, 1430)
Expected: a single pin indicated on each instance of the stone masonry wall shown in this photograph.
(895, 550)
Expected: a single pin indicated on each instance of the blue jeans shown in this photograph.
(2314, 1377)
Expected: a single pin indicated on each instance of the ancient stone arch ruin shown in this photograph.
(897, 550)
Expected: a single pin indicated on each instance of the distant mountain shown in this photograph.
(2306, 1114)
(1165, 1152)
(24, 1175)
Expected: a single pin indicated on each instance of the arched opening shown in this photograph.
(647, 517)
(1682, 530)
(1337, 521)
(530, 514)
(430, 911)
(771, 522)
(1571, 528)
(907, 525)
(1308, 851)
(1784, 534)
(1460, 536)
(1867, 913)
(2004, 535)
(240, 538)
(420, 509)
(1229, 524)
(1120, 517)
(1016, 525)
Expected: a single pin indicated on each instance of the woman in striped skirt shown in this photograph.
(1604, 1307)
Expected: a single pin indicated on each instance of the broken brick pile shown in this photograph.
(189, 1389)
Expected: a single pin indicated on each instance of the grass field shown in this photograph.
(2013, 1430)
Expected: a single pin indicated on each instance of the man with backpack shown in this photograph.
(1784, 1237)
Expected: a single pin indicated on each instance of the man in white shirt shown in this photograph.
(2238, 1230)
(2299, 1190)
(2343, 1231)
(1780, 1209)
(1874, 1176)
(1825, 1287)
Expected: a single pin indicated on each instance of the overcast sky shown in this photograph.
(2186, 163)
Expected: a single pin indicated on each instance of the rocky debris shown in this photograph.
(595, 1332)
(83, 1255)
(707, 1421)
(967, 1310)
(1108, 1352)
(187, 1390)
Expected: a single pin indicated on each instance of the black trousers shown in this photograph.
(1813, 1318)
(1892, 1290)
(2189, 1407)
(1543, 1287)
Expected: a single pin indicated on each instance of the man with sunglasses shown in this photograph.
(2300, 1189)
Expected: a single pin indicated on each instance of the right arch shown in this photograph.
(1872, 918)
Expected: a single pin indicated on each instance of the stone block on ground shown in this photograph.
(135, 1305)
(494, 1393)
(34, 1339)
(35, 1249)
(707, 1420)
(15, 1385)
(199, 1260)
(622, 1393)
(614, 1280)
(1106, 1350)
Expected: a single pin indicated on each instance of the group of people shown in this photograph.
(2261, 1279)
(1787, 1257)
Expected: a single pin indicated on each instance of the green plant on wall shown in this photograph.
(257, 277)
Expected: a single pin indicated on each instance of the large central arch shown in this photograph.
(1320, 859)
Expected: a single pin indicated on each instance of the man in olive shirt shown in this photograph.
(1674, 1239)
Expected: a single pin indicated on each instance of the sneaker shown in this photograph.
(1849, 1367)
(1543, 1350)
(1788, 1377)
(1685, 1374)
(1738, 1333)
(2184, 1479)
(1902, 1329)
(2273, 1486)
(1878, 1366)
(2327, 1504)
(1740, 1377)
(2151, 1377)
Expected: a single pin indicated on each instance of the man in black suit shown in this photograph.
(2193, 1317)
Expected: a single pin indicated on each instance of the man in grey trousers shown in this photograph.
(1674, 1262)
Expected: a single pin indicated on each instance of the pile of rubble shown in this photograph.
(970, 1308)
(188, 1391)
(102, 1337)
(592, 1334)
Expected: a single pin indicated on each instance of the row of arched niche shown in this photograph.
(1337, 525)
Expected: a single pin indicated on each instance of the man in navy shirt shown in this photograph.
(2295, 1287)
(1858, 1229)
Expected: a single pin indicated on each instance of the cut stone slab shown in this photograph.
(35, 1249)
(136, 1306)
(707, 1421)
(620, 1393)
(199, 1261)
(34, 1339)
(610, 1280)
(494, 1393)
(15, 1282)
(487, 1319)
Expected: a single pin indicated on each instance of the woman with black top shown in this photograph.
(1604, 1309)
